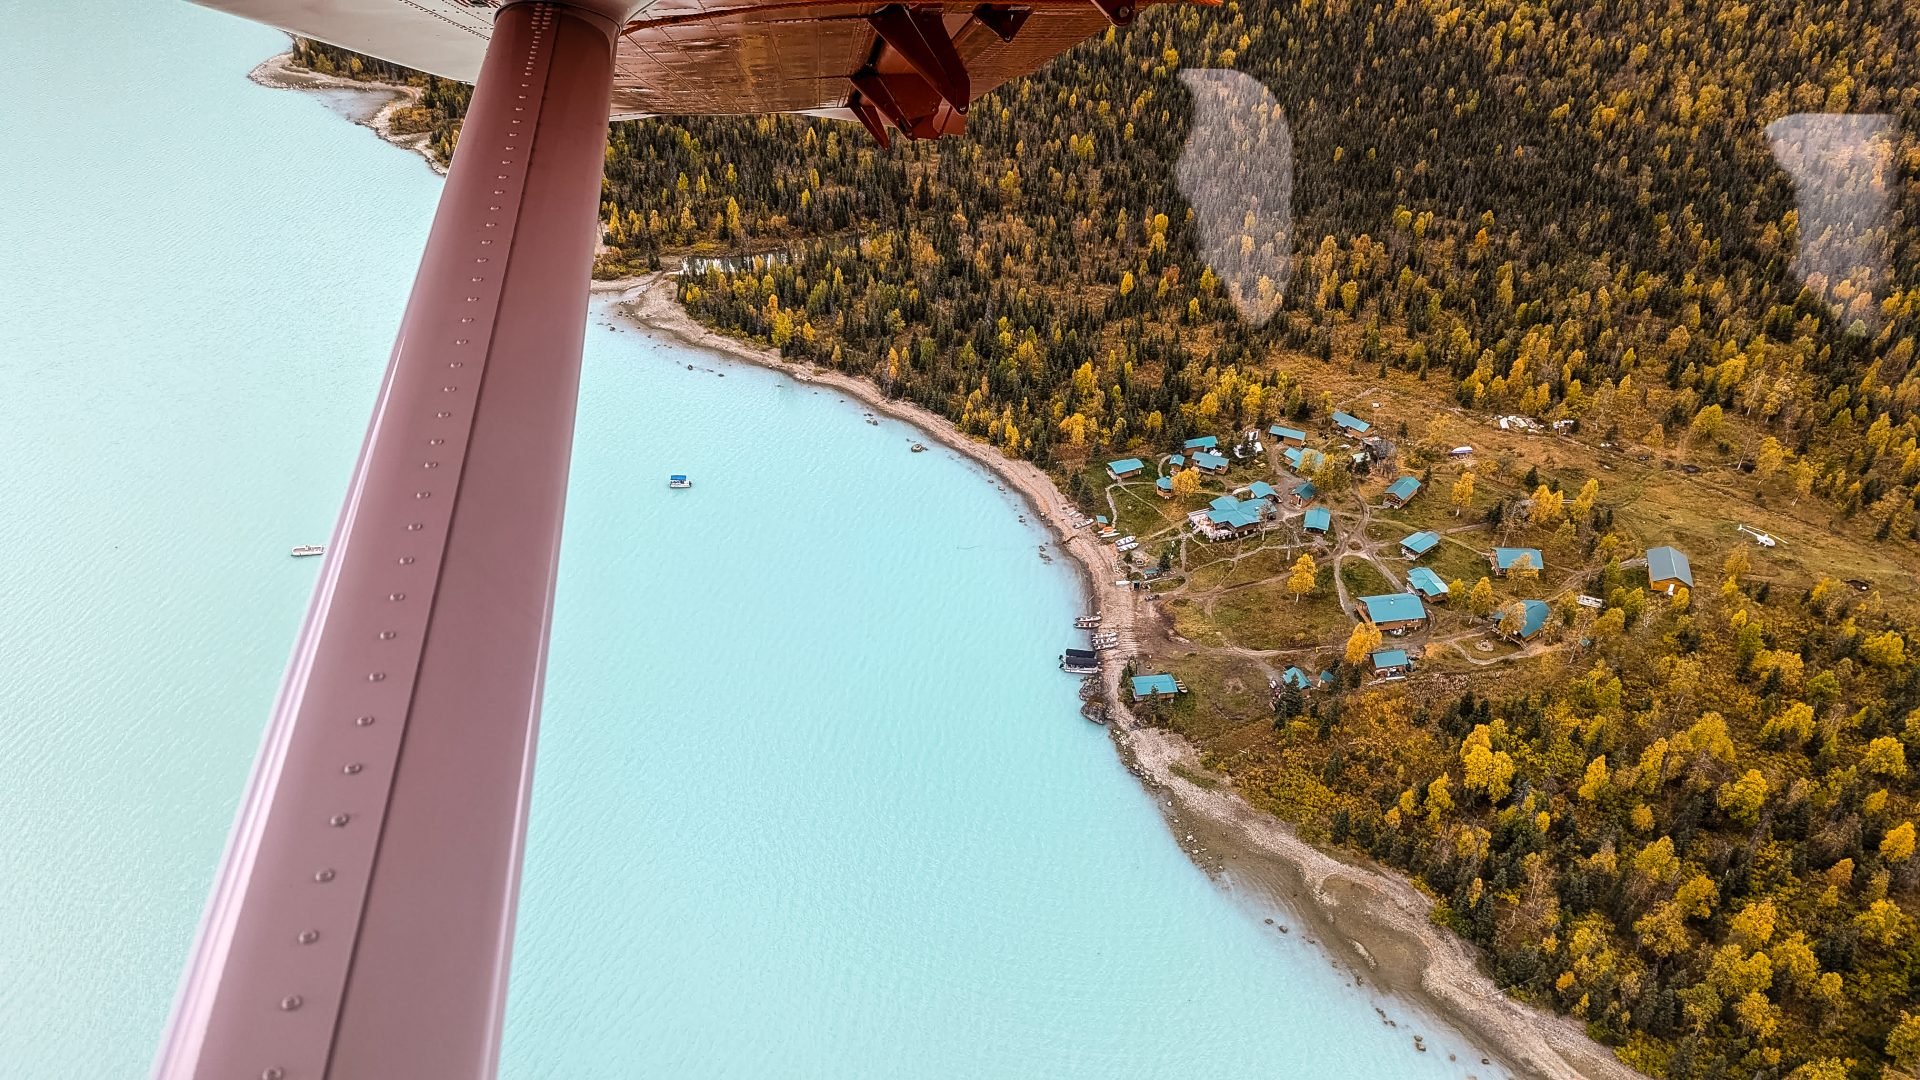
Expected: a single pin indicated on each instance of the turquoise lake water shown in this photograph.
(811, 800)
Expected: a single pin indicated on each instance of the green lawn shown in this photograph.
(1362, 579)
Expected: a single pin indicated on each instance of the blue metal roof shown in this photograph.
(1260, 489)
(1164, 483)
(1404, 488)
(1295, 678)
(1390, 658)
(1209, 461)
(1666, 564)
(1281, 431)
(1421, 542)
(1536, 612)
(1352, 423)
(1234, 519)
(1204, 442)
(1225, 503)
(1126, 465)
(1505, 558)
(1303, 459)
(1319, 519)
(1426, 582)
(1149, 685)
(1306, 492)
(1394, 607)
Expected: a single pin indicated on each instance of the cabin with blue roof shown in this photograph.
(1668, 569)
(1125, 467)
(1154, 686)
(1419, 543)
(1289, 435)
(1394, 613)
(1505, 559)
(1351, 424)
(1303, 460)
(1163, 487)
(1260, 489)
(1427, 584)
(1227, 517)
(1297, 679)
(1392, 663)
(1319, 520)
(1305, 494)
(1204, 442)
(1402, 491)
(1209, 462)
(1533, 619)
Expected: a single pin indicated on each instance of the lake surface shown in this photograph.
(811, 799)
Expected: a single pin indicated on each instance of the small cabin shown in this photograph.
(1319, 520)
(1428, 584)
(1287, 436)
(1392, 663)
(1419, 544)
(1351, 424)
(1260, 489)
(1402, 491)
(1302, 460)
(1125, 467)
(1154, 686)
(1163, 487)
(1505, 560)
(1208, 462)
(1533, 619)
(1394, 613)
(1668, 569)
(1209, 444)
(1305, 494)
(1297, 679)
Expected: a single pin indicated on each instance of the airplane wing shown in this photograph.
(914, 67)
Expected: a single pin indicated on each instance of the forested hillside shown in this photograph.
(1691, 822)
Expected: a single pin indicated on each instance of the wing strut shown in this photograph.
(361, 924)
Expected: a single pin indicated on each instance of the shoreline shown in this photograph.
(278, 73)
(1370, 922)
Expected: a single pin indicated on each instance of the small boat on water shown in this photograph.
(678, 480)
(919, 448)
(305, 550)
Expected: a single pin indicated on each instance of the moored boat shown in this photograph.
(305, 550)
(678, 480)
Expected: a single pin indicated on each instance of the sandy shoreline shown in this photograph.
(1373, 923)
(279, 73)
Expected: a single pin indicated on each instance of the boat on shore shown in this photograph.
(678, 481)
(1085, 622)
(308, 550)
